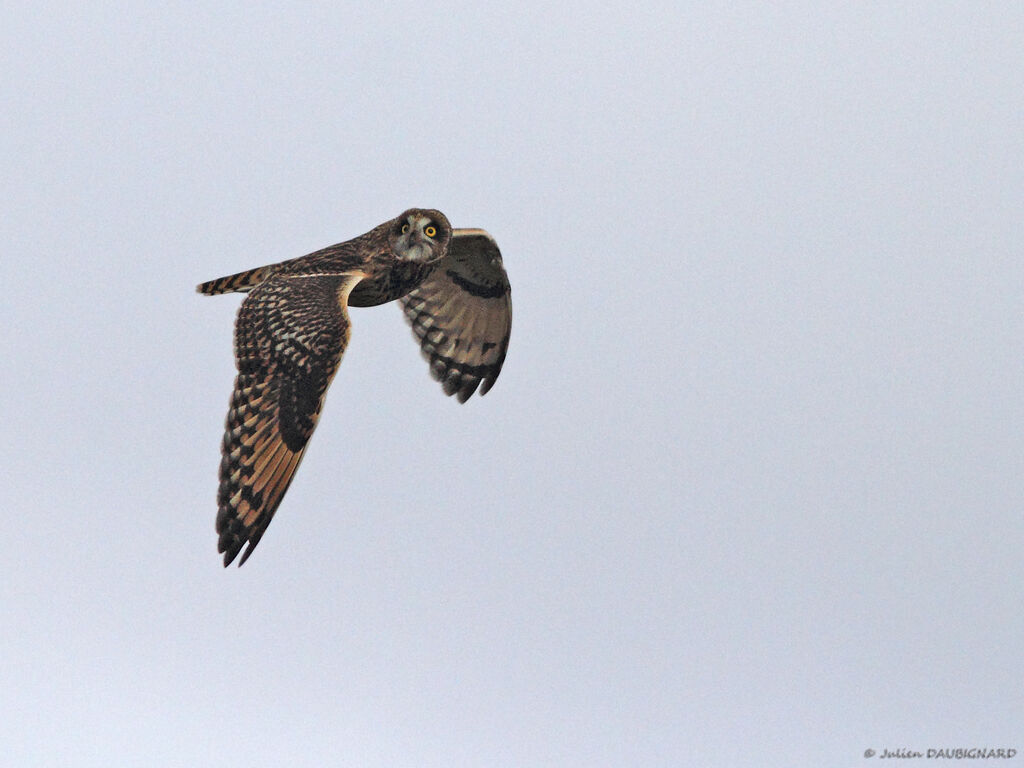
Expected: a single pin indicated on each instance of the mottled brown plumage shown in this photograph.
(293, 327)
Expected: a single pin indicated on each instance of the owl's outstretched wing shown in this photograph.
(289, 337)
(462, 315)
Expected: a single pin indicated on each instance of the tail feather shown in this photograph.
(241, 282)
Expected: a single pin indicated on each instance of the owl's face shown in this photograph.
(420, 235)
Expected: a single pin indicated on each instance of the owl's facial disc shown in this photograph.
(416, 239)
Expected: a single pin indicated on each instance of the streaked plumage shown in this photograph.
(293, 326)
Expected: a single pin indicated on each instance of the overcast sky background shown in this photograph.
(748, 492)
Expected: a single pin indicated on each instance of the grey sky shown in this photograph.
(747, 493)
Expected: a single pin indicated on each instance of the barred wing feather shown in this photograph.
(462, 315)
(289, 338)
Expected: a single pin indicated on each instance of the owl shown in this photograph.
(293, 326)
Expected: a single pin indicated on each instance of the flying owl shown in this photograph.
(293, 326)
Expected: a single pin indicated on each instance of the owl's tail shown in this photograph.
(241, 282)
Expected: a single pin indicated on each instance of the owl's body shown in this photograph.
(293, 326)
(387, 276)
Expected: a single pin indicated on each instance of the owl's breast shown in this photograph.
(387, 284)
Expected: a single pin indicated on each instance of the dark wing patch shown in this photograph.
(289, 338)
(462, 315)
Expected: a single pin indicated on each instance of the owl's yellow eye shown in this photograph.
(430, 231)
(405, 228)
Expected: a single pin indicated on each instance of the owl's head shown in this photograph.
(420, 234)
